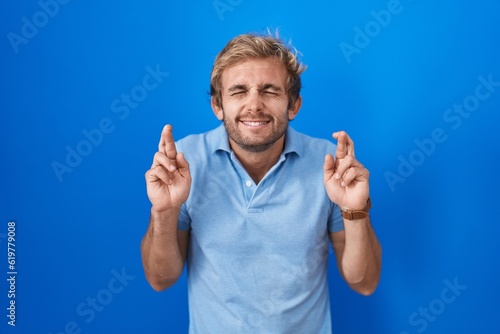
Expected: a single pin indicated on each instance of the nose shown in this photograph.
(254, 102)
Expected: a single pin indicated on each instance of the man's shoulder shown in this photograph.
(312, 139)
(201, 143)
(306, 144)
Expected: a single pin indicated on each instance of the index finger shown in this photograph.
(167, 143)
(345, 145)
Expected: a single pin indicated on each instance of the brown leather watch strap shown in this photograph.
(357, 214)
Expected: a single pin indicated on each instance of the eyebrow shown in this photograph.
(261, 87)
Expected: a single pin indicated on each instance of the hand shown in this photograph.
(345, 178)
(169, 180)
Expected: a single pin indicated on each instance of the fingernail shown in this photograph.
(171, 168)
(337, 176)
(342, 184)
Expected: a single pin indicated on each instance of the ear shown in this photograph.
(294, 110)
(219, 113)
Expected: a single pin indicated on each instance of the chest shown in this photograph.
(287, 212)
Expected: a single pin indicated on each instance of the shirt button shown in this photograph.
(249, 183)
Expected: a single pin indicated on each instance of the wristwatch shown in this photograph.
(357, 214)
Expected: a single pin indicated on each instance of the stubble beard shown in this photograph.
(260, 144)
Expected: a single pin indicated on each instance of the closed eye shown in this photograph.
(238, 93)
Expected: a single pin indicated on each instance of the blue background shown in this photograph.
(77, 231)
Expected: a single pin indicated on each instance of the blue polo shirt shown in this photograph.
(257, 257)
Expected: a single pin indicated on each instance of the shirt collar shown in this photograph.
(293, 142)
(220, 140)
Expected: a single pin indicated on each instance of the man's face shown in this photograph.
(255, 104)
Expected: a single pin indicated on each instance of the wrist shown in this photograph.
(356, 214)
(164, 213)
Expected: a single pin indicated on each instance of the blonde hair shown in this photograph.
(252, 46)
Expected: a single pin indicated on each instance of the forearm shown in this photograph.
(162, 258)
(361, 260)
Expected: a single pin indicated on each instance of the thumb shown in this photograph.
(329, 167)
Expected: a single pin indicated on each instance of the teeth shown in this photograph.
(254, 123)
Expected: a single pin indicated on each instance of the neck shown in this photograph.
(257, 164)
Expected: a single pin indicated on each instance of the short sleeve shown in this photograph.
(335, 221)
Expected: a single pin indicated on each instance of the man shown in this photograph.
(253, 210)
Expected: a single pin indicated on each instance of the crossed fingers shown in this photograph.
(347, 168)
(167, 153)
(164, 161)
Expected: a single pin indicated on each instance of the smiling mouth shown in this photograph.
(255, 123)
